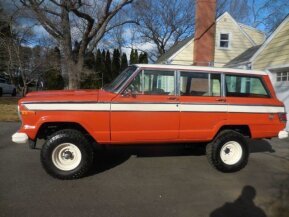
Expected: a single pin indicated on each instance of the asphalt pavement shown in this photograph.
(153, 181)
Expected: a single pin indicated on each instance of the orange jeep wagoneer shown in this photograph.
(154, 104)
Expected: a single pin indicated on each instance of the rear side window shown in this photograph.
(200, 84)
(245, 86)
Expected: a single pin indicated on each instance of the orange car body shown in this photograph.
(118, 118)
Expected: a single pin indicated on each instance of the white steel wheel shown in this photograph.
(231, 152)
(66, 156)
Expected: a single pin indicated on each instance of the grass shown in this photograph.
(8, 109)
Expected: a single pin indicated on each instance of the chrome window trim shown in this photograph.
(121, 89)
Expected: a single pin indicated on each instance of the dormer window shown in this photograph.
(224, 40)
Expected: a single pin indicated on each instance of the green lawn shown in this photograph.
(8, 109)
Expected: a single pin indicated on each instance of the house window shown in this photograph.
(282, 76)
(224, 40)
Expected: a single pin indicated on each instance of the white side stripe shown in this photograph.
(69, 106)
(203, 108)
(153, 107)
(145, 107)
(255, 109)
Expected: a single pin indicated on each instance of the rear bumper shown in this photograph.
(283, 134)
(20, 138)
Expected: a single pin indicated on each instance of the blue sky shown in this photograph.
(282, 7)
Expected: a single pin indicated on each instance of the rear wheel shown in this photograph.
(67, 154)
(228, 152)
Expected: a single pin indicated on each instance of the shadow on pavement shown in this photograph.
(105, 160)
(113, 156)
(261, 145)
(243, 206)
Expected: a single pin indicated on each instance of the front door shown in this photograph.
(147, 109)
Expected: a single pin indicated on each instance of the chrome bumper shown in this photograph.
(20, 138)
(283, 134)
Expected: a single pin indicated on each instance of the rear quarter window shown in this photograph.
(245, 86)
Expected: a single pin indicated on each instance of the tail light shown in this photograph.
(282, 117)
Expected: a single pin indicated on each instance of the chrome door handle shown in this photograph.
(221, 100)
(172, 98)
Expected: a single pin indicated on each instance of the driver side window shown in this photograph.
(153, 82)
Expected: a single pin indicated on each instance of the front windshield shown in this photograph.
(120, 79)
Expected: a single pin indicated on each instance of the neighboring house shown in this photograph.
(273, 57)
(231, 40)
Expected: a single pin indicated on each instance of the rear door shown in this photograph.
(203, 108)
(250, 103)
(147, 110)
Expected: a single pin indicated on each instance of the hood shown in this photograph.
(62, 96)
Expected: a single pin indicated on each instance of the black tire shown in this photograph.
(1, 92)
(14, 92)
(214, 149)
(57, 140)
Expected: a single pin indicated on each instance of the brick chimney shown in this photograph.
(205, 29)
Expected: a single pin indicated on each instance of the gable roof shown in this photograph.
(176, 47)
(243, 57)
(179, 46)
(245, 28)
(237, 24)
(270, 38)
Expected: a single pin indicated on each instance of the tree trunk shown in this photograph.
(67, 61)
(73, 78)
(71, 70)
(24, 89)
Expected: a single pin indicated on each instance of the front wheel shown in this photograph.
(228, 152)
(67, 154)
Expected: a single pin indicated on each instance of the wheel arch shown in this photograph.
(46, 129)
(242, 129)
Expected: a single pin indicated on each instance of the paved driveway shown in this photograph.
(152, 181)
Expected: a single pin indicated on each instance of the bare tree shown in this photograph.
(90, 19)
(265, 14)
(268, 13)
(23, 63)
(164, 22)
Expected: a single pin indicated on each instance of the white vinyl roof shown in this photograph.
(201, 68)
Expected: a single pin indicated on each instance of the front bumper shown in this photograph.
(20, 138)
(283, 134)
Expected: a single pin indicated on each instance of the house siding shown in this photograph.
(185, 56)
(238, 44)
(238, 41)
(276, 53)
(257, 36)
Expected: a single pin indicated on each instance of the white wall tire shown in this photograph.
(228, 152)
(67, 154)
